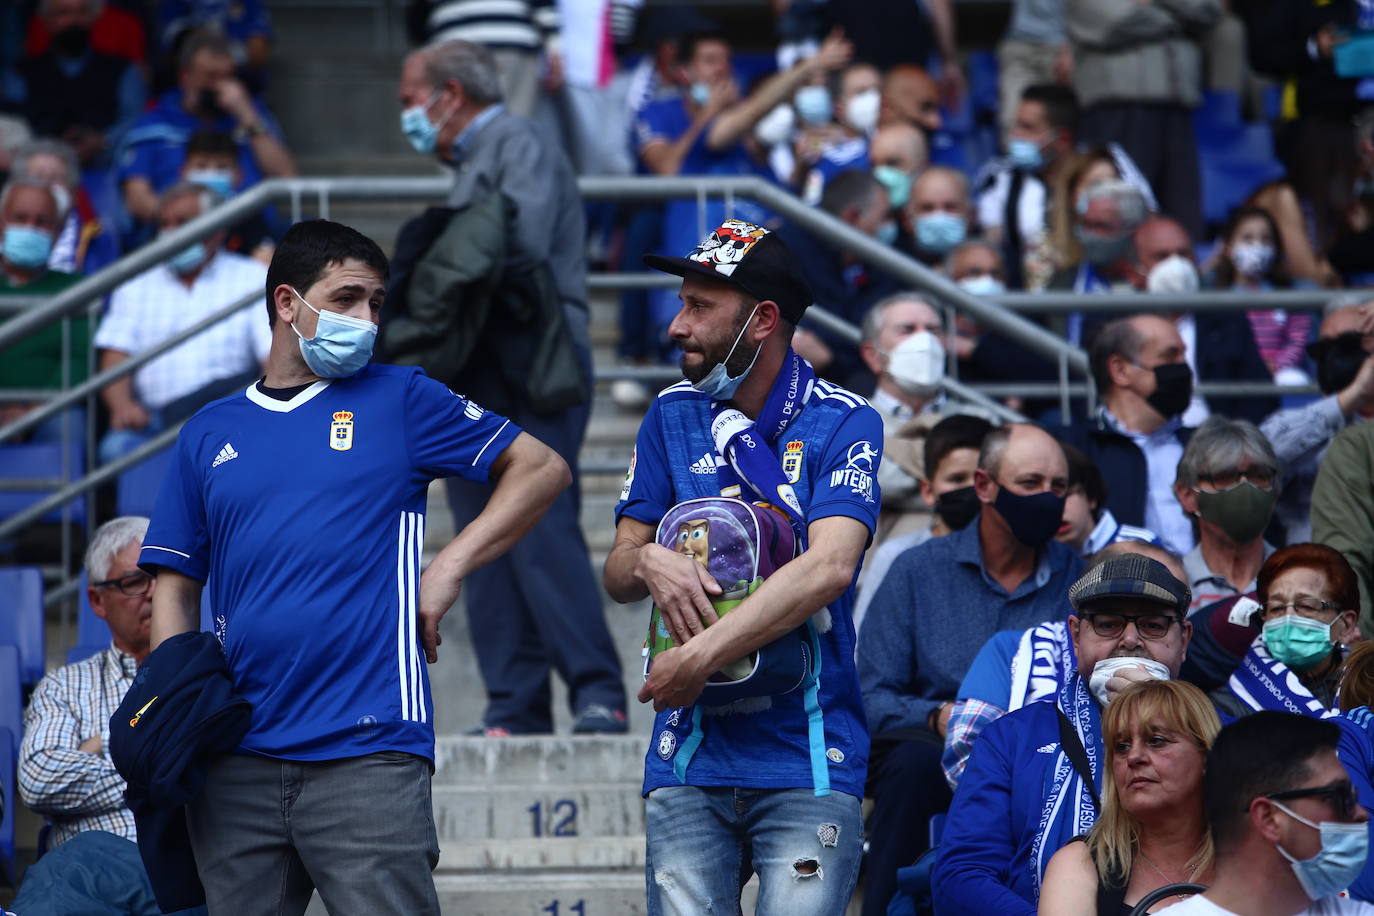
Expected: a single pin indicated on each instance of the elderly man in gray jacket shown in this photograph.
(539, 607)
(1138, 75)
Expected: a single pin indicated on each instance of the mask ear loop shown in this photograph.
(309, 306)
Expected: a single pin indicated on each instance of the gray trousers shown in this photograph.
(267, 832)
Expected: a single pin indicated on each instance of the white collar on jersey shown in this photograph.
(270, 403)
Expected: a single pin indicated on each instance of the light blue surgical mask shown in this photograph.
(415, 124)
(897, 182)
(887, 232)
(1025, 155)
(188, 259)
(341, 346)
(813, 104)
(27, 247)
(1340, 861)
(720, 385)
(700, 93)
(220, 181)
(940, 233)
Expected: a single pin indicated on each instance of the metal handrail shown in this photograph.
(90, 481)
(826, 226)
(127, 367)
(1060, 301)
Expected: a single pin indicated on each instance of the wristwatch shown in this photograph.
(249, 131)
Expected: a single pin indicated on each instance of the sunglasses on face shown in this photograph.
(1341, 797)
(1149, 626)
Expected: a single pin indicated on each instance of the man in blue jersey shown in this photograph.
(768, 785)
(301, 501)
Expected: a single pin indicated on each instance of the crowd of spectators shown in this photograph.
(1056, 615)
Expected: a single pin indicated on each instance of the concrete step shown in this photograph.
(611, 853)
(536, 811)
(538, 760)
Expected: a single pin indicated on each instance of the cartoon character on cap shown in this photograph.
(729, 243)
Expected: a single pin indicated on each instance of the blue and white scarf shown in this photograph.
(1264, 682)
(1038, 668)
(1069, 809)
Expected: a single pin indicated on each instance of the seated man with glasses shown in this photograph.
(65, 771)
(1228, 482)
(1033, 780)
(1288, 831)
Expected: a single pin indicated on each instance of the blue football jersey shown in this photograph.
(830, 455)
(306, 518)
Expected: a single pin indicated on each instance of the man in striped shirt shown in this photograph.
(64, 768)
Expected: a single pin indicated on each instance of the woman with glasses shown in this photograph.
(1228, 482)
(1309, 603)
(1151, 831)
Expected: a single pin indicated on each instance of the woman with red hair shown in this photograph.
(1308, 608)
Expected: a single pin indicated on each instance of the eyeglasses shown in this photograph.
(134, 585)
(1341, 796)
(1225, 480)
(1307, 607)
(1149, 626)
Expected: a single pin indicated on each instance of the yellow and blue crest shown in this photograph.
(341, 431)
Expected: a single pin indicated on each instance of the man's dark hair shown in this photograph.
(850, 188)
(1260, 754)
(957, 431)
(1115, 338)
(687, 49)
(192, 43)
(1060, 104)
(1084, 473)
(212, 143)
(306, 251)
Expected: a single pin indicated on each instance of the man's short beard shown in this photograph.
(737, 363)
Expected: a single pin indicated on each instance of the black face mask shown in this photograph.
(958, 507)
(207, 103)
(1173, 389)
(1338, 360)
(1033, 519)
(71, 41)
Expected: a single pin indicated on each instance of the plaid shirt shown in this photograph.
(77, 790)
(966, 720)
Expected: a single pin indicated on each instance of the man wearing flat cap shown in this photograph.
(772, 784)
(1033, 780)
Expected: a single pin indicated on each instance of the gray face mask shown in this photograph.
(1242, 512)
(1102, 250)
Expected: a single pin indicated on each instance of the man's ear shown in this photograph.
(767, 317)
(1264, 819)
(868, 352)
(1117, 370)
(984, 485)
(97, 601)
(283, 300)
(1187, 498)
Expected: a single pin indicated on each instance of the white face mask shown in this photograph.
(861, 111)
(1103, 671)
(1174, 274)
(917, 364)
(1252, 259)
(984, 285)
(776, 126)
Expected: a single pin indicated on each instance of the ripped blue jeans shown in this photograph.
(704, 843)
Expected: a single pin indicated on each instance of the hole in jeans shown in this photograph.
(806, 867)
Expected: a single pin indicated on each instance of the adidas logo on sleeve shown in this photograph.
(225, 454)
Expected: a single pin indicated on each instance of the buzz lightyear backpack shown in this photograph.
(740, 544)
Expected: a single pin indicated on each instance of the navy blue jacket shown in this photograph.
(180, 712)
(1120, 460)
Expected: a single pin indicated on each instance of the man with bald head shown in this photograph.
(1300, 435)
(1136, 437)
(938, 215)
(898, 153)
(937, 605)
(1220, 345)
(911, 96)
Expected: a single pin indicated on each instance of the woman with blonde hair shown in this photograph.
(1151, 830)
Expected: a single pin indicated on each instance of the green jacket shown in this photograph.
(1343, 507)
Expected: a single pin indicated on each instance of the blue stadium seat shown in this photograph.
(1219, 108)
(982, 82)
(11, 728)
(21, 619)
(39, 461)
(9, 756)
(138, 486)
(1235, 160)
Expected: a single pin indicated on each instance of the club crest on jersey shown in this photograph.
(792, 460)
(341, 431)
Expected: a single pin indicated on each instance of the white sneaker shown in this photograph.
(629, 394)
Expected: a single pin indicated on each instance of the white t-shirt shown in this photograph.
(1327, 906)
